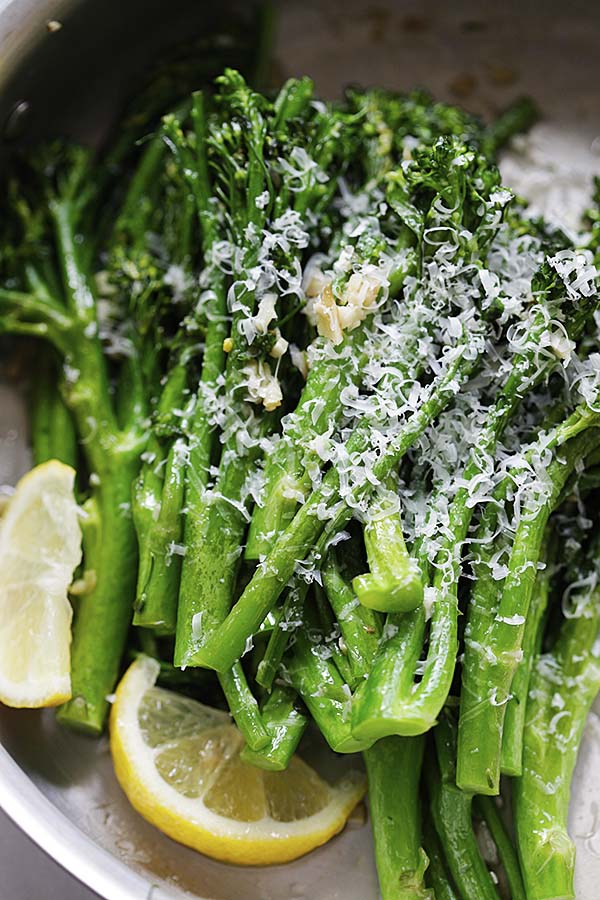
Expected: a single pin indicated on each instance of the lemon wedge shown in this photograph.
(40, 546)
(179, 764)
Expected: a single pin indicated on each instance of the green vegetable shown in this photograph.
(483, 711)
(564, 683)
(394, 582)
(393, 767)
(451, 813)
(508, 856)
(329, 389)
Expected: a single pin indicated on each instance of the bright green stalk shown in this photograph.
(201, 443)
(216, 521)
(160, 494)
(52, 429)
(243, 706)
(329, 628)
(286, 621)
(317, 680)
(360, 626)
(393, 771)
(394, 582)
(285, 723)
(325, 693)
(112, 455)
(511, 761)
(157, 500)
(506, 851)
(482, 716)
(103, 616)
(219, 519)
(451, 812)
(389, 702)
(483, 609)
(564, 683)
(437, 874)
(287, 470)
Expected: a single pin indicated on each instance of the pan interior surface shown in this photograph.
(482, 55)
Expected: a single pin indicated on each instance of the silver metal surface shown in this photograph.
(58, 787)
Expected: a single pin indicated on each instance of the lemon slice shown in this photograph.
(40, 546)
(179, 764)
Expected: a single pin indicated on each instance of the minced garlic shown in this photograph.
(357, 301)
(262, 386)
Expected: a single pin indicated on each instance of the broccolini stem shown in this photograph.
(437, 874)
(451, 812)
(360, 626)
(393, 770)
(482, 715)
(477, 689)
(285, 722)
(157, 503)
(394, 581)
(563, 686)
(287, 472)
(103, 616)
(511, 760)
(317, 680)
(506, 851)
(286, 621)
(53, 433)
(243, 706)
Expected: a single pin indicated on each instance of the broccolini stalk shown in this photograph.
(451, 813)
(360, 626)
(394, 582)
(511, 761)
(244, 706)
(564, 683)
(52, 429)
(287, 470)
(156, 277)
(285, 722)
(437, 874)
(483, 713)
(331, 634)
(325, 693)
(188, 458)
(202, 436)
(506, 851)
(61, 306)
(157, 502)
(286, 621)
(393, 770)
(194, 165)
(478, 690)
(310, 668)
